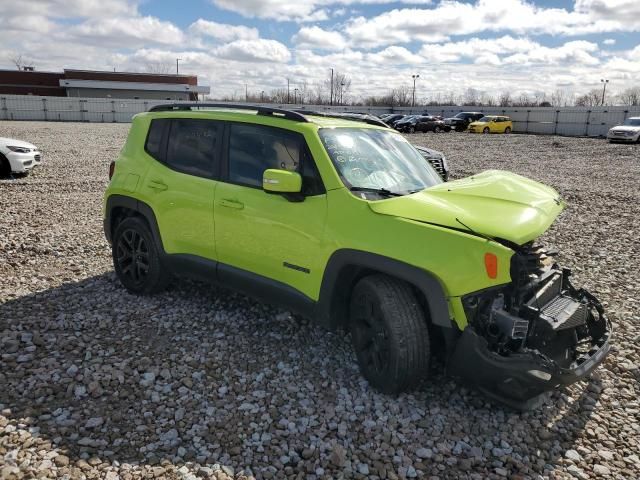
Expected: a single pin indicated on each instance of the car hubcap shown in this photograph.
(133, 256)
(372, 340)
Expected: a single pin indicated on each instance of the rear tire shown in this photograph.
(136, 258)
(5, 167)
(389, 333)
(507, 130)
(437, 129)
(412, 129)
(486, 130)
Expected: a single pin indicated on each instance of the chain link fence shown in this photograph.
(569, 121)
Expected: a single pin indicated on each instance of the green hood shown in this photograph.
(494, 203)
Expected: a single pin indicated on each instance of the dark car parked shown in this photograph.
(437, 160)
(430, 124)
(461, 121)
(393, 118)
(408, 124)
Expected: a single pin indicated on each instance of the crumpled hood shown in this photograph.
(494, 203)
(15, 143)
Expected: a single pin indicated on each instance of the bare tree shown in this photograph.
(540, 98)
(470, 96)
(631, 96)
(559, 98)
(593, 98)
(341, 86)
(21, 62)
(504, 100)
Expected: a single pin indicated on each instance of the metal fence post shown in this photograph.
(527, 128)
(44, 108)
(555, 127)
(586, 130)
(113, 110)
(4, 108)
(82, 110)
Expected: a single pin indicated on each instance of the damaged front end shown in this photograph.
(532, 335)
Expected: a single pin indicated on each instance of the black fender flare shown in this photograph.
(138, 206)
(331, 290)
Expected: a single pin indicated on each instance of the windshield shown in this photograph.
(462, 115)
(377, 159)
(632, 122)
(485, 119)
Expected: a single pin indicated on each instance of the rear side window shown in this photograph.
(256, 148)
(185, 145)
(192, 146)
(155, 137)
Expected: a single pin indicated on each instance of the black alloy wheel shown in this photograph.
(389, 334)
(136, 259)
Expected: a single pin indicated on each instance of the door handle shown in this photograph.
(227, 202)
(157, 185)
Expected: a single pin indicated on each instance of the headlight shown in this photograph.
(19, 149)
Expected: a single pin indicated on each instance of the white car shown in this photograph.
(629, 131)
(17, 156)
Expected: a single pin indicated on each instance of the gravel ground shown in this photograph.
(203, 383)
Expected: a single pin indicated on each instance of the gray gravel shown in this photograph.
(203, 383)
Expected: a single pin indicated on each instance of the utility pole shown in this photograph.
(262, 96)
(288, 94)
(295, 96)
(604, 88)
(413, 98)
(331, 97)
(246, 93)
(341, 92)
(177, 69)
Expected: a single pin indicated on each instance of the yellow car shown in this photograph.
(491, 124)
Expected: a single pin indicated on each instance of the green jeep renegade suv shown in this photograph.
(345, 222)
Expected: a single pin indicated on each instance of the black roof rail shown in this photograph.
(356, 117)
(268, 111)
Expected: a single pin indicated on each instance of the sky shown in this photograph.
(492, 46)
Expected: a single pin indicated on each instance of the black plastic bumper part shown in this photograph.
(509, 379)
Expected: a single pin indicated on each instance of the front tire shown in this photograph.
(136, 258)
(5, 166)
(412, 129)
(486, 130)
(389, 333)
(437, 129)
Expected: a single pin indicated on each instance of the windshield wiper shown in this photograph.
(379, 191)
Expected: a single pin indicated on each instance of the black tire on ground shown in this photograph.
(437, 129)
(507, 130)
(389, 333)
(5, 166)
(412, 129)
(136, 258)
(486, 130)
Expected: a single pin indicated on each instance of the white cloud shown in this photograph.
(223, 31)
(317, 38)
(609, 41)
(395, 55)
(571, 53)
(127, 32)
(260, 50)
(296, 10)
(452, 18)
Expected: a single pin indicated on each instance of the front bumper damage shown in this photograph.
(532, 336)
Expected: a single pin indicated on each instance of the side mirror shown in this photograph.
(281, 181)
